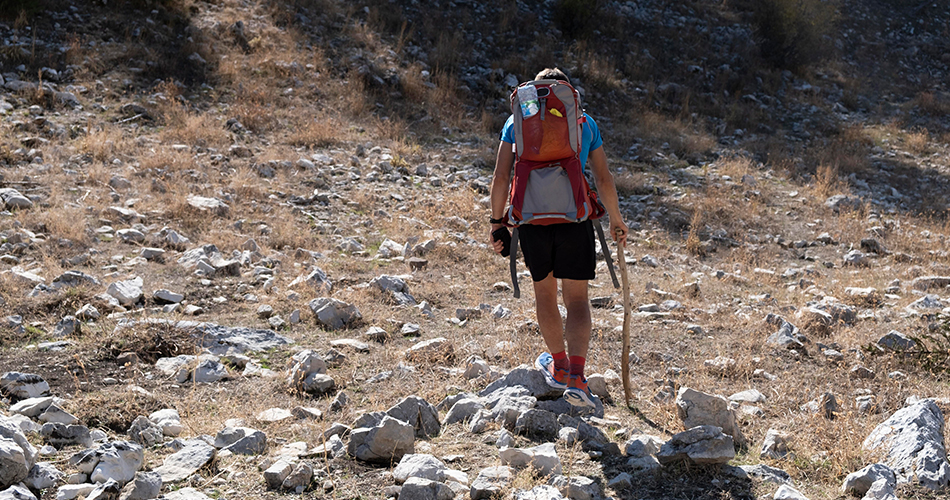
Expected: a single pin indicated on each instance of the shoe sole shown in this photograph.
(552, 383)
(577, 397)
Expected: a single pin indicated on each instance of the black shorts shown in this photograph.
(567, 249)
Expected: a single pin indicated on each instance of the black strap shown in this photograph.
(606, 251)
(513, 263)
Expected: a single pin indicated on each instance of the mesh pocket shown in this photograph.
(549, 194)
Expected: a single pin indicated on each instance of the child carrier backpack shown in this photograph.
(549, 185)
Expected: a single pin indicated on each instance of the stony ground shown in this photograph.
(332, 151)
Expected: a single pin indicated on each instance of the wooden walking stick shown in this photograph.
(625, 354)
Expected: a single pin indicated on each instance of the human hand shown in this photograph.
(497, 245)
(618, 230)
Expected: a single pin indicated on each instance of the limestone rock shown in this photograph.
(775, 445)
(241, 440)
(699, 409)
(432, 351)
(786, 492)
(185, 462)
(334, 314)
(144, 486)
(705, 444)
(420, 414)
(383, 440)
(491, 482)
(912, 441)
(542, 458)
(169, 420)
(425, 489)
(858, 483)
(23, 385)
(127, 292)
(419, 465)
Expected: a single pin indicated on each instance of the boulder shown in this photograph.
(896, 341)
(241, 440)
(316, 279)
(763, 472)
(144, 486)
(786, 492)
(418, 413)
(334, 314)
(127, 292)
(184, 463)
(704, 444)
(419, 465)
(491, 482)
(912, 442)
(775, 445)
(538, 425)
(699, 409)
(14, 200)
(17, 492)
(117, 461)
(43, 475)
(60, 435)
(169, 420)
(540, 492)
(858, 483)
(462, 411)
(23, 385)
(437, 350)
(528, 378)
(425, 489)
(299, 478)
(396, 288)
(275, 475)
(14, 465)
(145, 432)
(542, 458)
(381, 439)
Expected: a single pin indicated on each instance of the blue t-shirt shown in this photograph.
(590, 136)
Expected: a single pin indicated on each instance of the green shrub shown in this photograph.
(795, 33)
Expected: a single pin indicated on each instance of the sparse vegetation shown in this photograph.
(321, 123)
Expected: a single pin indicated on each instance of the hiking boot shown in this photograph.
(554, 377)
(577, 392)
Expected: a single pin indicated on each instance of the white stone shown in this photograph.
(419, 465)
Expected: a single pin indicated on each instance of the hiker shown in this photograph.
(562, 251)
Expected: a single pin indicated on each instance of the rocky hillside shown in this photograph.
(242, 251)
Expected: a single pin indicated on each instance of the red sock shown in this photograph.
(577, 365)
(560, 361)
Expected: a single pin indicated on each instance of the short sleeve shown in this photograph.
(596, 140)
(508, 131)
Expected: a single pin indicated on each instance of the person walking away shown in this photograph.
(561, 251)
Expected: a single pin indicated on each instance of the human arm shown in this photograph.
(501, 179)
(607, 191)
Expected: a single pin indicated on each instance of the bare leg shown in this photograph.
(549, 317)
(578, 316)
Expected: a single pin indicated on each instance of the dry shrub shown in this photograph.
(445, 56)
(315, 132)
(933, 104)
(918, 141)
(105, 142)
(792, 33)
(684, 139)
(827, 182)
(595, 68)
(693, 242)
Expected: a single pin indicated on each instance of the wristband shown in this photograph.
(496, 221)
